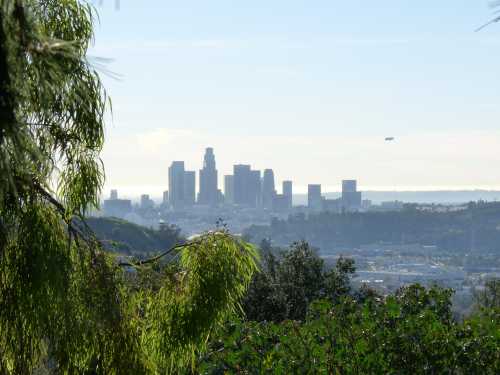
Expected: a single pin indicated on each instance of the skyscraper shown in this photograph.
(246, 185)
(255, 189)
(268, 190)
(114, 194)
(314, 200)
(349, 186)
(176, 184)
(241, 173)
(351, 198)
(165, 198)
(288, 192)
(229, 189)
(208, 180)
(189, 188)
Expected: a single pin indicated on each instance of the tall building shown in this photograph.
(314, 200)
(176, 184)
(117, 207)
(165, 198)
(208, 180)
(246, 185)
(255, 189)
(288, 192)
(189, 188)
(229, 189)
(349, 186)
(268, 190)
(351, 197)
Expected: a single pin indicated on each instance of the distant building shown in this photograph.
(189, 188)
(288, 192)
(332, 205)
(351, 197)
(366, 204)
(268, 189)
(247, 185)
(229, 189)
(181, 186)
(176, 184)
(117, 207)
(146, 202)
(255, 189)
(208, 180)
(314, 199)
(165, 198)
(114, 194)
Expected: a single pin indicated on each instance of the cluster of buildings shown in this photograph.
(249, 188)
(245, 187)
(248, 196)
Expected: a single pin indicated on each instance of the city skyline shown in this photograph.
(304, 89)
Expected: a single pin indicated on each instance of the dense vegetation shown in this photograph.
(302, 319)
(67, 305)
(477, 226)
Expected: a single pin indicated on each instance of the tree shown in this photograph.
(290, 280)
(489, 298)
(63, 299)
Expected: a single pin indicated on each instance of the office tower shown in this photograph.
(229, 189)
(246, 185)
(349, 186)
(117, 207)
(208, 180)
(176, 184)
(314, 200)
(351, 198)
(189, 188)
(241, 173)
(165, 198)
(255, 189)
(288, 192)
(268, 190)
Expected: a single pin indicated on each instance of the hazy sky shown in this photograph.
(308, 88)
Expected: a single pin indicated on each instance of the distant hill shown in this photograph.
(127, 238)
(476, 228)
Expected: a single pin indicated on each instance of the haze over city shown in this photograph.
(303, 90)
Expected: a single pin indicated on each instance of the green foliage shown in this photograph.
(290, 280)
(489, 298)
(409, 333)
(66, 305)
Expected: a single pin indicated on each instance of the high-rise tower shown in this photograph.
(208, 179)
(268, 190)
(176, 184)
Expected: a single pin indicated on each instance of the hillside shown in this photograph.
(476, 227)
(131, 239)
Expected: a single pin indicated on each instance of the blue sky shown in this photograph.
(308, 88)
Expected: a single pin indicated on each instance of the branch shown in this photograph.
(158, 257)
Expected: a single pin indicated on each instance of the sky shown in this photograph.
(307, 88)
